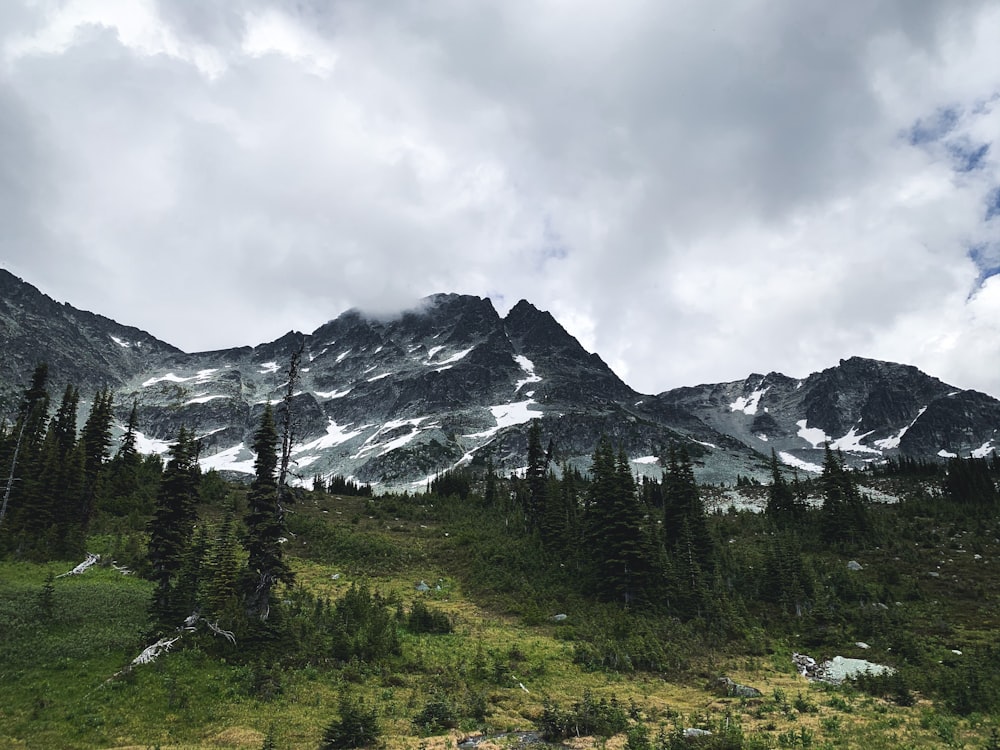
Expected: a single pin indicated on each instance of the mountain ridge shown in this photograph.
(394, 400)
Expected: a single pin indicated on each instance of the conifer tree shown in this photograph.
(621, 551)
(95, 440)
(171, 528)
(265, 525)
(844, 517)
(782, 505)
(53, 527)
(24, 458)
(535, 475)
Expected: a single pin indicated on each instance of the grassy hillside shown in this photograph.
(925, 601)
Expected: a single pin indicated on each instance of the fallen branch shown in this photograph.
(91, 560)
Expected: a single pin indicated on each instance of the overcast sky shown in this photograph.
(695, 190)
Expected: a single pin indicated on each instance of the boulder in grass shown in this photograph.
(732, 689)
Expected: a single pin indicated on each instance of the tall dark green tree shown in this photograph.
(265, 523)
(535, 475)
(844, 516)
(968, 481)
(170, 530)
(95, 440)
(53, 528)
(620, 549)
(783, 506)
(23, 455)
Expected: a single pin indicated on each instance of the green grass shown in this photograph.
(495, 672)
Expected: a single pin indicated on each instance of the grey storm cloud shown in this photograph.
(697, 191)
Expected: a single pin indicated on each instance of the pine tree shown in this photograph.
(96, 442)
(535, 475)
(25, 456)
(171, 528)
(844, 517)
(53, 529)
(621, 552)
(783, 506)
(265, 525)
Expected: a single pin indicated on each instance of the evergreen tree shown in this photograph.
(684, 522)
(844, 517)
(782, 504)
(24, 457)
(53, 528)
(535, 475)
(620, 548)
(265, 525)
(96, 443)
(171, 528)
(968, 481)
(220, 574)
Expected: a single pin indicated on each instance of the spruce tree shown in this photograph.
(95, 439)
(783, 506)
(844, 517)
(536, 476)
(171, 528)
(265, 525)
(621, 553)
(24, 459)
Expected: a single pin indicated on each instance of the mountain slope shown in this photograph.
(868, 409)
(395, 400)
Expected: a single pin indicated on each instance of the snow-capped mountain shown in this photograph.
(394, 401)
(867, 409)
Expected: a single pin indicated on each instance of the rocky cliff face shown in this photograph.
(867, 409)
(395, 400)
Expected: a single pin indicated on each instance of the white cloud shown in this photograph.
(695, 192)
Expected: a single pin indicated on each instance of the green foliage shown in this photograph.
(588, 716)
(356, 727)
(266, 567)
(439, 714)
(424, 619)
(170, 532)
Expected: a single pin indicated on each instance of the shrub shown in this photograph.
(356, 727)
(424, 619)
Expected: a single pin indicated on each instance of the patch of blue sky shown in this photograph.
(993, 204)
(967, 156)
(987, 260)
(935, 127)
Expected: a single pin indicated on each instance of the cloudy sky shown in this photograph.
(697, 191)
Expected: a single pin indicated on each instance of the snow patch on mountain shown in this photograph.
(646, 460)
(984, 450)
(748, 404)
(379, 377)
(529, 368)
(507, 415)
(204, 399)
(789, 460)
(453, 358)
(236, 458)
(202, 376)
(812, 435)
(120, 342)
(335, 435)
(332, 394)
(342, 355)
(944, 453)
(372, 443)
(892, 442)
(852, 442)
(145, 444)
(268, 367)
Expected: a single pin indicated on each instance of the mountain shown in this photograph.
(868, 409)
(395, 400)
